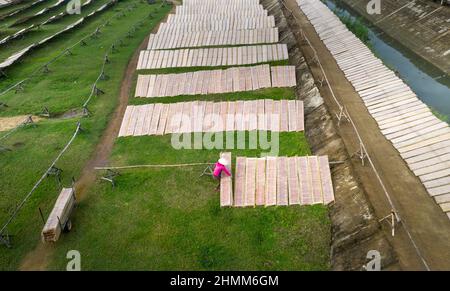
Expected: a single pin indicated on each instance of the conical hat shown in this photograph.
(223, 161)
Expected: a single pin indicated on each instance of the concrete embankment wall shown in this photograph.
(423, 26)
(355, 228)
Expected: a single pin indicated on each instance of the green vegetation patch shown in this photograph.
(64, 88)
(170, 218)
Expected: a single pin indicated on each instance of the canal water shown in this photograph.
(430, 84)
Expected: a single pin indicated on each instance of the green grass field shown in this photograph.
(164, 219)
(63, 89)
(155, 219)
(171, 219)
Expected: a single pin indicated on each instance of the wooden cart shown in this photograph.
(59, 219)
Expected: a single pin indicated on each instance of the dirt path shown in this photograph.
(39, 258)
(428, 225)
(8, 123)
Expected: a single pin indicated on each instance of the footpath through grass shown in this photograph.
(64, 88)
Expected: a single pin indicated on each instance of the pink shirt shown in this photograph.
(219, 168)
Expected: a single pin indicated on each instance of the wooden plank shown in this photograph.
(325, 175)
(199, 116)
(170, 83)
(239, 182)
(253, 117)
(268, 108)
(158, 60)
(266, 76)
(442, 198)
(226, 187)
(239, 115)
(188, 57)
(163, 119)
(193, 115)
(292, 81)
(177, 117)
(292, 108)
(254, 76)
(270, 194)
(248, 79)
(185, 122)
(275, 117)
(148, 118)
(196, 83)
(223, 115)
(313, 164)
(439, 190)
(231, 116)
(188, 84)
(208, 117)
(164, 82)
(269, 53)
(246, 115)
(155, 119)
(260, 181)
(170, 116)
(224, 56)
(262, 125)
(250, 182)
(305, 179)
(180, 84)
(300, 116)
(236, 79)
(282, 183)
(145, 60)
(293, 182)
(239, 56)
(242, 79)
(284, 116)
(152, 59)
(132, 121)
(139, 85)
(157, 86)
(254, 54)
(223, 82)
(151, 86)
(206, 82)
(216, 118)
(140, 120)
(125, 120)
(276, 52)
(273, 71)
(140, 60)
(285, 70)
(211, 84)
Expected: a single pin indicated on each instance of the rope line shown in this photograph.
(17, 209)
(78, 129)
(64, 51)
(152, 166)
(94, 86)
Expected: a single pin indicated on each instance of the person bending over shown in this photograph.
(220, 166)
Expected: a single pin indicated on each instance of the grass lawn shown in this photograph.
(165, 219)
(64, 88)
